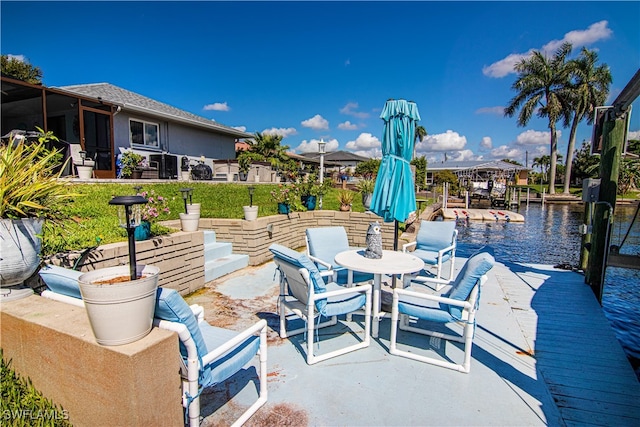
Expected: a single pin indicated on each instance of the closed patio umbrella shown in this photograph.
(394, 194)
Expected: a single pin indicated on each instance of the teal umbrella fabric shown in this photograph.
(394, 195)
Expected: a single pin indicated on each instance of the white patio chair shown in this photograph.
(304, 293)
(209, 355)
(323, 244)
(435, 244)
(458, 305)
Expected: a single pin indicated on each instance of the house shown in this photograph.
(481, 172)
(105, 119)
(339, 161)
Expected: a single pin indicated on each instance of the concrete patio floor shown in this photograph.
(565, 381)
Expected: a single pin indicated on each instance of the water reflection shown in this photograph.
(551, 235)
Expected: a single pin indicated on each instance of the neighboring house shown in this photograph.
(481, 171)
(104, 119)
(339, 161)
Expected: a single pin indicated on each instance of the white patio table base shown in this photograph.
(392, 262)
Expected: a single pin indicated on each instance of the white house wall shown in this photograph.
(176, 138)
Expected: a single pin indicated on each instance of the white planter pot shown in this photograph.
(19, 255)
(84, 172)
(120, 313)
(190, 221)
(193, 208)
(250, 212)
(185, 175)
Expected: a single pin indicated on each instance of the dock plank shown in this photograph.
(575, 348)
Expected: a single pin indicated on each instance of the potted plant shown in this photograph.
(84, 168)
(284, 196)
(365, 186)
(244, 166)
(120, 301)
(156, 207)
(31, 194)
(131, 163)
(250, 212)
(345, 198)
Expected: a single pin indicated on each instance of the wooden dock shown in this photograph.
(576, 352)
(481, 214)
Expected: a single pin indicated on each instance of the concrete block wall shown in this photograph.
(136, 384)
(254, 237)
(180, 257)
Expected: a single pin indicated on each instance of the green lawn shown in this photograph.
(93, 217)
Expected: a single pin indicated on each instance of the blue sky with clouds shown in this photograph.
(311, 70)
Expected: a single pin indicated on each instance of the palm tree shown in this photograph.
(268, 147)
(589, 89)
(421, 132)
(540, 86)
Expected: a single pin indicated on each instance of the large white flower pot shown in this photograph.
(120, 313)
(250, 212)
(19, 255)
(193, 208)
(190, 221)
(84, 172)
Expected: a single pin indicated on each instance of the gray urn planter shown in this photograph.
(19, 255)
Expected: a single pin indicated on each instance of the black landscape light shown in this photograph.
(129, 215)
(251, 189)
(186, 193)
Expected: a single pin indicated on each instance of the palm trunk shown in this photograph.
(570, 148)
(554, 158)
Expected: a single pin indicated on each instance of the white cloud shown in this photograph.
(497, 111)
(217, 106)
(634, 134)
(312, 146)
(506, 152)
(20, 58)
(351, 110)
(284, 132)
(347, 126)
(486, 142)
(448, 141)
(535, 137)
(364, 141)
(462, 155)
(578, 38)
(316, 122)
(504, 66)
(240, 128)
(365, 145)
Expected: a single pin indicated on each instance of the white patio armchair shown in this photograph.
(435, 244)
(323, 244)
(458, 305)
(305, 294)
(209, 355)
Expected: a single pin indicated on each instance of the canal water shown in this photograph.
(551, 234)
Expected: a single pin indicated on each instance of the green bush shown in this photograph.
(23, 405)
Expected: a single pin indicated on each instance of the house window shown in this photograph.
(144, 133)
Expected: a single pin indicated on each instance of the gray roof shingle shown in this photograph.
(136, 102)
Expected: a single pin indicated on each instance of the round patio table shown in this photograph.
(392, 262)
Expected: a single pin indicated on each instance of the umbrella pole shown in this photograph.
(395, 248)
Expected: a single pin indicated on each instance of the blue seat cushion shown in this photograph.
(172, 307)
(342, 304)
(326, 242)
(300, 260)
(230, 363)
(61, 280)
(476, 266)
(431, 257)
(358, 277)
(424, 309)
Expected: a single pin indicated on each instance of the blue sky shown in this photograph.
(311, 70)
